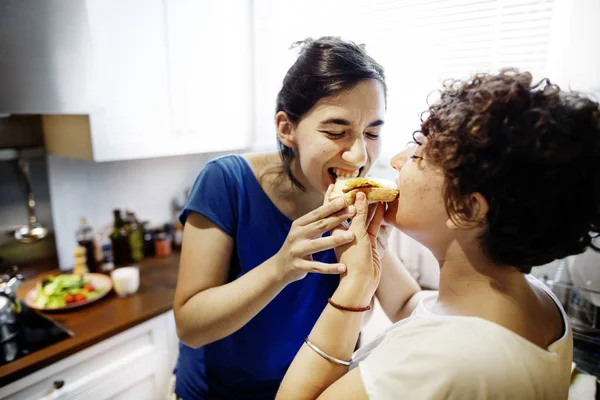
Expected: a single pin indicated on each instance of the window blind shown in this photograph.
(420, 43)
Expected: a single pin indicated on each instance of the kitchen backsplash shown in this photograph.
(148, 187)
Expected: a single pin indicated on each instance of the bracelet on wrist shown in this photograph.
(346, 308)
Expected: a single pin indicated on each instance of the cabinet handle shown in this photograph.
(59, 384)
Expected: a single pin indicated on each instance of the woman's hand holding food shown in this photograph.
(363, 264)
(294, 259)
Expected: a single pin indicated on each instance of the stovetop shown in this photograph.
(35, 331)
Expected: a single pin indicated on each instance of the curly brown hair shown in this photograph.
(533, 151)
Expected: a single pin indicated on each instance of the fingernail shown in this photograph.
(341, 268)
(351, 210)
(348, 235)
(339, 202)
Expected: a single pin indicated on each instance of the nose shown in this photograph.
(398, 161)
(357, 153)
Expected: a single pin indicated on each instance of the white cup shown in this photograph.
(126, 280)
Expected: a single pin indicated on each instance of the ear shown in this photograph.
(285, 130)
(478, 208)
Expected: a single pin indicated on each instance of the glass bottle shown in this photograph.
(136, 236)
(119, 238)
(85, 238)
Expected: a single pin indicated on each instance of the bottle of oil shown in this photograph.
(119, 238)
(136, 236)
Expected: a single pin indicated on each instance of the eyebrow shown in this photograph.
(345, 122)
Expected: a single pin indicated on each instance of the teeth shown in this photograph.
(345, 175)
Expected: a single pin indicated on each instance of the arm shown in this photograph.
(398, 292)
(336, 331)
(207, 308)
(414, 362)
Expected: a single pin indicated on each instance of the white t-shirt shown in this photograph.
(429, 356)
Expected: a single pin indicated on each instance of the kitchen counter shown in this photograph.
(102, 319)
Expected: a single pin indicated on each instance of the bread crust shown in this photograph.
(385, 192)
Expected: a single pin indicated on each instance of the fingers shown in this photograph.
(327, 194)
(377, 220)
(324, 211)
(322, 268)
(321, 226)
(359, 222)
(371, 213)
(329, 242)
(341, 227)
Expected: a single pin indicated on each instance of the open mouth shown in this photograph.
(335, 173)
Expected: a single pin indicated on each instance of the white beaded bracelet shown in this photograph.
(325, 355)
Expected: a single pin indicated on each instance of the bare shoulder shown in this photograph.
(267, 169)
(259, 162)
(550, 316)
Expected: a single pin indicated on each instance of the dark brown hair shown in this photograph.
(325, 67)
(533, 151)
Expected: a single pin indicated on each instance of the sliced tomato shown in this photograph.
(69, 298)
(79, 297)
(88, 288)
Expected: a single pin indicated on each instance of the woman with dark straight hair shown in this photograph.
(257, 263)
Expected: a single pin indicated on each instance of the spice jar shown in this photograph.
(162, 243)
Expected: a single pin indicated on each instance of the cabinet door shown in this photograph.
(210, 48)
(136, 361)
(131, 79)
(139, 390)
(140, 379)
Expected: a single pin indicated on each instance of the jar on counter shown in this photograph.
(162, 243)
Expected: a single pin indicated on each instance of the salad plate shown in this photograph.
(67, 291)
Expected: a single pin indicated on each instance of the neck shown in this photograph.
(290, 199)
(308, 199)
(465, 272)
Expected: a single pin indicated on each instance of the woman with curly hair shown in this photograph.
(503, 178)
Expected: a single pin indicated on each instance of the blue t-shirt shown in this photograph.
(250, 363)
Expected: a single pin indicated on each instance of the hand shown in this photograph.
(385, 230)
(294, 259)
(361, 256)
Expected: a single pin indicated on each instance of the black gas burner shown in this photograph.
(33, 332)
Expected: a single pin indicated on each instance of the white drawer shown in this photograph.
(141, 375)
(138, 346)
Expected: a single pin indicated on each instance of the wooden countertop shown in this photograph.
(102, 319)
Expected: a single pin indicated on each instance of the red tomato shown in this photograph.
(88, 288)
(79, 297)
(69, 298)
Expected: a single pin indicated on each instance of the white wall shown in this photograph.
(92, 190)
(574, 59)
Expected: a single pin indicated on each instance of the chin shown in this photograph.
(407, 224)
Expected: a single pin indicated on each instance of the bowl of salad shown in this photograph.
(67, 291)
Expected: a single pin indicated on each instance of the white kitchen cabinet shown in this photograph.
(131, 69)
(209, 52)
(135, 364)
(170, 77)
(130, 117)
